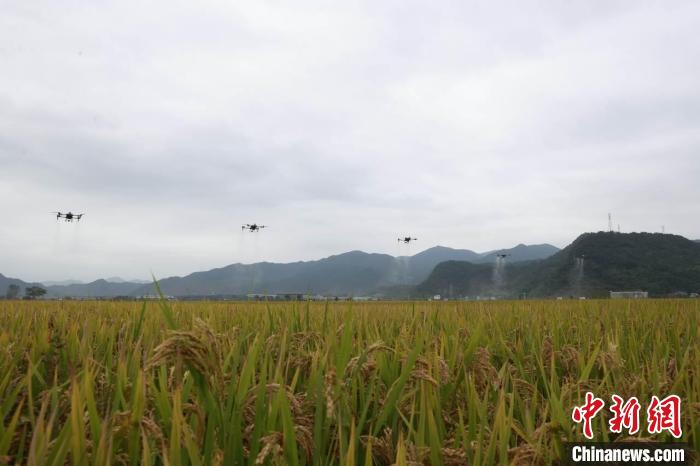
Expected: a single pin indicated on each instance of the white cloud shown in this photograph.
(470, 124)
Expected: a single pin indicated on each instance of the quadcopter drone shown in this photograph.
(406, 239)
(502, 256)
(69, 217)
(253, 227)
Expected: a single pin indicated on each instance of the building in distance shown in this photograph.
(629, 294)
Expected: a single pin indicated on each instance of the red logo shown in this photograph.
(624, 415)
(665, 415)
(587, 412)
(662, 415)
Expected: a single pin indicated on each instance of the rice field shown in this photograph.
(405, 383)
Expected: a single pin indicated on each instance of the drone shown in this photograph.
(252, 227)
(69, 217)
(406, 239)
(502, 256)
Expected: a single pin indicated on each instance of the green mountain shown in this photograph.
(592, 265)
(352, 273)
(5, 282)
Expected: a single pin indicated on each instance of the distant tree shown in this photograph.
(34, 292)
(12, 291)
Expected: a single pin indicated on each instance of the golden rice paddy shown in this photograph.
(405, 383)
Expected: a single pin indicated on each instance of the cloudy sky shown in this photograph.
(471, 124)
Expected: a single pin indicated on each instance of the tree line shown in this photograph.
(31, 292)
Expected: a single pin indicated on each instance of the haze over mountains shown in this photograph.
(351, 273)
(81, 282)
(62, 282)
(593, 265)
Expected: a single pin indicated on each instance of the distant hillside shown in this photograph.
(121, 280)
(522, 252)
(592, 265)
(419, 266)
(654, 262)
(458, 278)
(453, 279)
(96, 289)
(5, 282)
(351, 273)
(61, 282)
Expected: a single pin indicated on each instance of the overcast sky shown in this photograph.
(342, 125)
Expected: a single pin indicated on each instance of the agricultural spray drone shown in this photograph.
(252, 227)
(69, 217)
(502, 256)
(406, 239)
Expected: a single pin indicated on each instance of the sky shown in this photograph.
(341, 125)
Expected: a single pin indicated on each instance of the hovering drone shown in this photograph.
(406, 239)
(502, 256)
(252, 227)
(69, 217)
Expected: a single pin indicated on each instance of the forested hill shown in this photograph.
(592, 265)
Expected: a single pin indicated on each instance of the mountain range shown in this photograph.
(80, 282)
(352, 273)
(592, 265)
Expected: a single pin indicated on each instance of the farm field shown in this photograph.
(439, 383)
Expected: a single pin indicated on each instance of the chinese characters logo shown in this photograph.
(662, 415)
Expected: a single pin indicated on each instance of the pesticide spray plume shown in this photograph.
(499, 267)
(579, 262)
